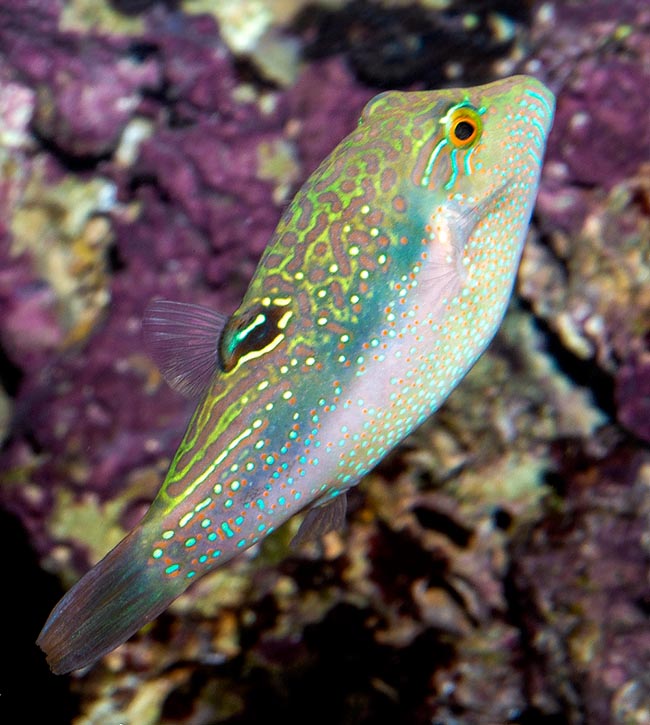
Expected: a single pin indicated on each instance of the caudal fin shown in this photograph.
(105, 607)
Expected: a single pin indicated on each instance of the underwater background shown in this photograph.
(495, 568)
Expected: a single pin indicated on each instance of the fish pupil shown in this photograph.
(464, 130)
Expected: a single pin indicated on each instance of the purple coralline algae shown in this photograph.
(587, 275)
(583, 591)
(493, 568)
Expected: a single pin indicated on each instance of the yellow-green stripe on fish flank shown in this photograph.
(385, 280)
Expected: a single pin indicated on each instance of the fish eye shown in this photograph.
(463, 125)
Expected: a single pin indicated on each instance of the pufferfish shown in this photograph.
(386, 278)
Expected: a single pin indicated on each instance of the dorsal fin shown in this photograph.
(183, 340)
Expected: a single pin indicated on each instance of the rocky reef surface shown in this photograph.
(495, 568)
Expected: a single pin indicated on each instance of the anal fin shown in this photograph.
(322, 519)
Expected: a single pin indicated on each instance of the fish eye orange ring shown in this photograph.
(459, 116)
(463, 141)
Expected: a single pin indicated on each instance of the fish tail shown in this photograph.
(105, 607)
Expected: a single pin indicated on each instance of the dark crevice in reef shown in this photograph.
(74, 163)
(429, 518)
(11, 376)
(584, 373)
(137, 7)
(390, 47)
(116, 261)
(365, 681)
(28, 690)
(522, 614)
